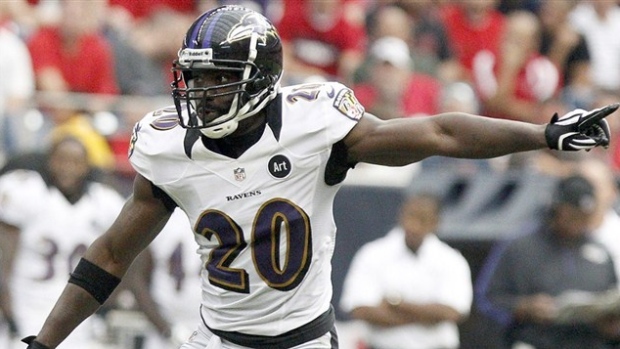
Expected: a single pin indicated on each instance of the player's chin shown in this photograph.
(213, 113)
(207, 116)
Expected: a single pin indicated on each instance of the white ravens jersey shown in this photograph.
(53, 236)
(263, 221)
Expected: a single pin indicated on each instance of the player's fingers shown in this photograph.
(596, 115)
(583, 142)
(604, 128)
(600, 136)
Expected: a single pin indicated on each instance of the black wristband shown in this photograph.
(96, 281)
(33, 344)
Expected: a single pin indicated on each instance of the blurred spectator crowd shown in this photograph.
(91, 69)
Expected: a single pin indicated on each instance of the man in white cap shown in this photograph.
(393, 89)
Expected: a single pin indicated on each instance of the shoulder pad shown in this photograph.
(338, 95)
(163, 119)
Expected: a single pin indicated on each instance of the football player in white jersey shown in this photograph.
(256, 167)
(47, 220)
(165, 280)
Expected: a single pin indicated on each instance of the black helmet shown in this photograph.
(233, 39)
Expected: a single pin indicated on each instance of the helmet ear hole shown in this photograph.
(259, 85)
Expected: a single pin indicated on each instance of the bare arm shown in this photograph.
(141, 219)
(389, 315)
(398, 142)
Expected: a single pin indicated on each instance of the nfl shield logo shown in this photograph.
(239, 174)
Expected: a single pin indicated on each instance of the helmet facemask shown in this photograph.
(250, 94)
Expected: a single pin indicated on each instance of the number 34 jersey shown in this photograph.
(263, 221)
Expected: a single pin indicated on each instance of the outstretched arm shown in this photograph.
(397, 142)
(141, 219)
